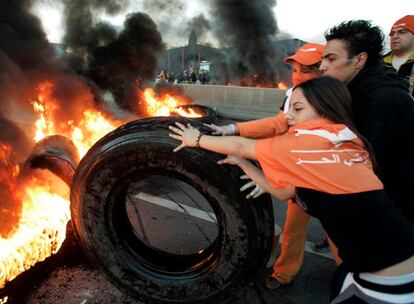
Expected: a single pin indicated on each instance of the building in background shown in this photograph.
(180, 61)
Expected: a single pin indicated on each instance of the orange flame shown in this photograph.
(11, 206)
(45, 213)
(283, 86)
(90, 129)
(43, 105)
(40, 233)
(84, 132)
(166, 106)
(42, 225)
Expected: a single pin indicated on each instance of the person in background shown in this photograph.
(170, 77)
(163, 76)
(312, 163)
(305, 66)
(382, 106)
(193, 75)
(401, 57)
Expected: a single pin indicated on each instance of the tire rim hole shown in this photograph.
(167, 224)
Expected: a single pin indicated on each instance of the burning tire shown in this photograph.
(209, 115)
(57, 154)
(133, 152)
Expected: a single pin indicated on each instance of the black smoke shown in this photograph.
(28, 61)
(113, 61)
(83, 30)
(26, 57)
(80, 21)
(129, 59)
(250, 27)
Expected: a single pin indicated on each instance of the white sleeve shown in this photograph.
(287, 100)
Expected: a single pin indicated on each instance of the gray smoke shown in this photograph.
(169, 7)
(169, 15)
(250, 27)
(200, 25)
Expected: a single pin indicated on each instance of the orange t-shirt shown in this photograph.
(318, 155)
(265, 127)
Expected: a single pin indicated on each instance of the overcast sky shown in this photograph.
(307, 20)
(303, 19)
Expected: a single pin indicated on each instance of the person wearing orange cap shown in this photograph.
(305, 66)
(401, 56)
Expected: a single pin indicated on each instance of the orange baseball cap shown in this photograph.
(406, 22)
(307, 54)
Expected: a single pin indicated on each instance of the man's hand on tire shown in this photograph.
(222, 130)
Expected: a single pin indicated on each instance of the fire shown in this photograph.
(40, 233)
(283, 86)
(42, 219)
(89, 130)
(83, 132)
(186, 112)
(166, 106)
(11, 206)
(42, 224)
(45, 108)
(45, 210)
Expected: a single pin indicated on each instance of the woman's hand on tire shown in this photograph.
(188, 135)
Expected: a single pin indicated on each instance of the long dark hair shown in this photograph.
(332, 100)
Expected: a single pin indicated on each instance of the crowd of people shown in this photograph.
(187, 76)
(339, 149)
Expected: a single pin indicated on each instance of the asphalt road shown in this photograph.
(162, 204)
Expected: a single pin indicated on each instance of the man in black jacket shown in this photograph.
(401, 56)
(383, 109)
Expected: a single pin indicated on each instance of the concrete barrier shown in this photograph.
(242, 103)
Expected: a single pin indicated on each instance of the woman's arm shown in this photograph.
(259, 128)
(237, 147)
(263, 128)
(257, 175)
(233, 145)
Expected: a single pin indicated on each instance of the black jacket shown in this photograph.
(384, 114)
(406, 71)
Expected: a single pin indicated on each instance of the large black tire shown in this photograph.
(132, 152)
